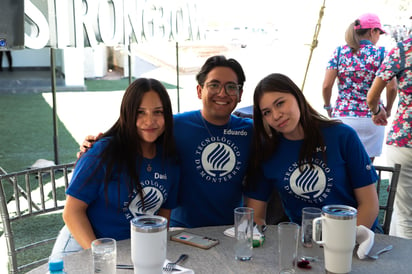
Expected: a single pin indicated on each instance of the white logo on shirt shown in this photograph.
(311, 184)
(153, 199)
(308, 184)
(217, 159)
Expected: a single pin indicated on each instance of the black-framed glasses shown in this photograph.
(230, 88)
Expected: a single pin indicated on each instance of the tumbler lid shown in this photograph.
(148, 224)
(342, 212)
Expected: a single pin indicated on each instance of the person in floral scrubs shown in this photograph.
(398, 64)
(355, 65)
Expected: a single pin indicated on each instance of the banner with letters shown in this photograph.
(88, 23)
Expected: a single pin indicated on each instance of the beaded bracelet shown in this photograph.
(327, 107)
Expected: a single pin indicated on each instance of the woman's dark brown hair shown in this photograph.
(124, 153)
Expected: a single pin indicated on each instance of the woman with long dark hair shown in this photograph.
(310, 159)
(131, 170)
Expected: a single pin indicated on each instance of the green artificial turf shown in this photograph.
(106, 85)
(110, 85)
(26, 124)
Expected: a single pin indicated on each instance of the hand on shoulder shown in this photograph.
(87, 144)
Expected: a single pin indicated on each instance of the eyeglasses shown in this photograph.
(230, 88)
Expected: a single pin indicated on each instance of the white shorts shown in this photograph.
(401, 224)
(371, 135)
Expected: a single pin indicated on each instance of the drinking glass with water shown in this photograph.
(104, 255)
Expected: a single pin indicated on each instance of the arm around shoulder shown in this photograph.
(87, 144)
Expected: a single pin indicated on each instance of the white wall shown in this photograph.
(95, 62)
(31, 57)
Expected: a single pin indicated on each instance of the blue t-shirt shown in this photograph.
(111, 218)
(213, 163)
(332, 181)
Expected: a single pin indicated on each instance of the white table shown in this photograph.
(220, 259)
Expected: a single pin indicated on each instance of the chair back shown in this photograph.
(391, 175)
(275, 212)
(32, 193)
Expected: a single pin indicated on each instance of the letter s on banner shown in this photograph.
(40, 32)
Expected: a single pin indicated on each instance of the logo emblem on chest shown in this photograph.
(218, 159)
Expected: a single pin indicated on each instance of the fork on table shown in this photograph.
(169, 267)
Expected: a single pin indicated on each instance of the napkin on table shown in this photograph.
(182, 269)
(365, 238)
(258, 238)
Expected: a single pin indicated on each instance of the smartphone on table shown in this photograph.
(194, 240)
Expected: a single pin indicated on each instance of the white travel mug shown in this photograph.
(338, 230)
(148, 244)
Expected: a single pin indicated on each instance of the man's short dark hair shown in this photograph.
(220, 61)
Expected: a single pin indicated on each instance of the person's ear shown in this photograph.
(199, 91)
(239, 97)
